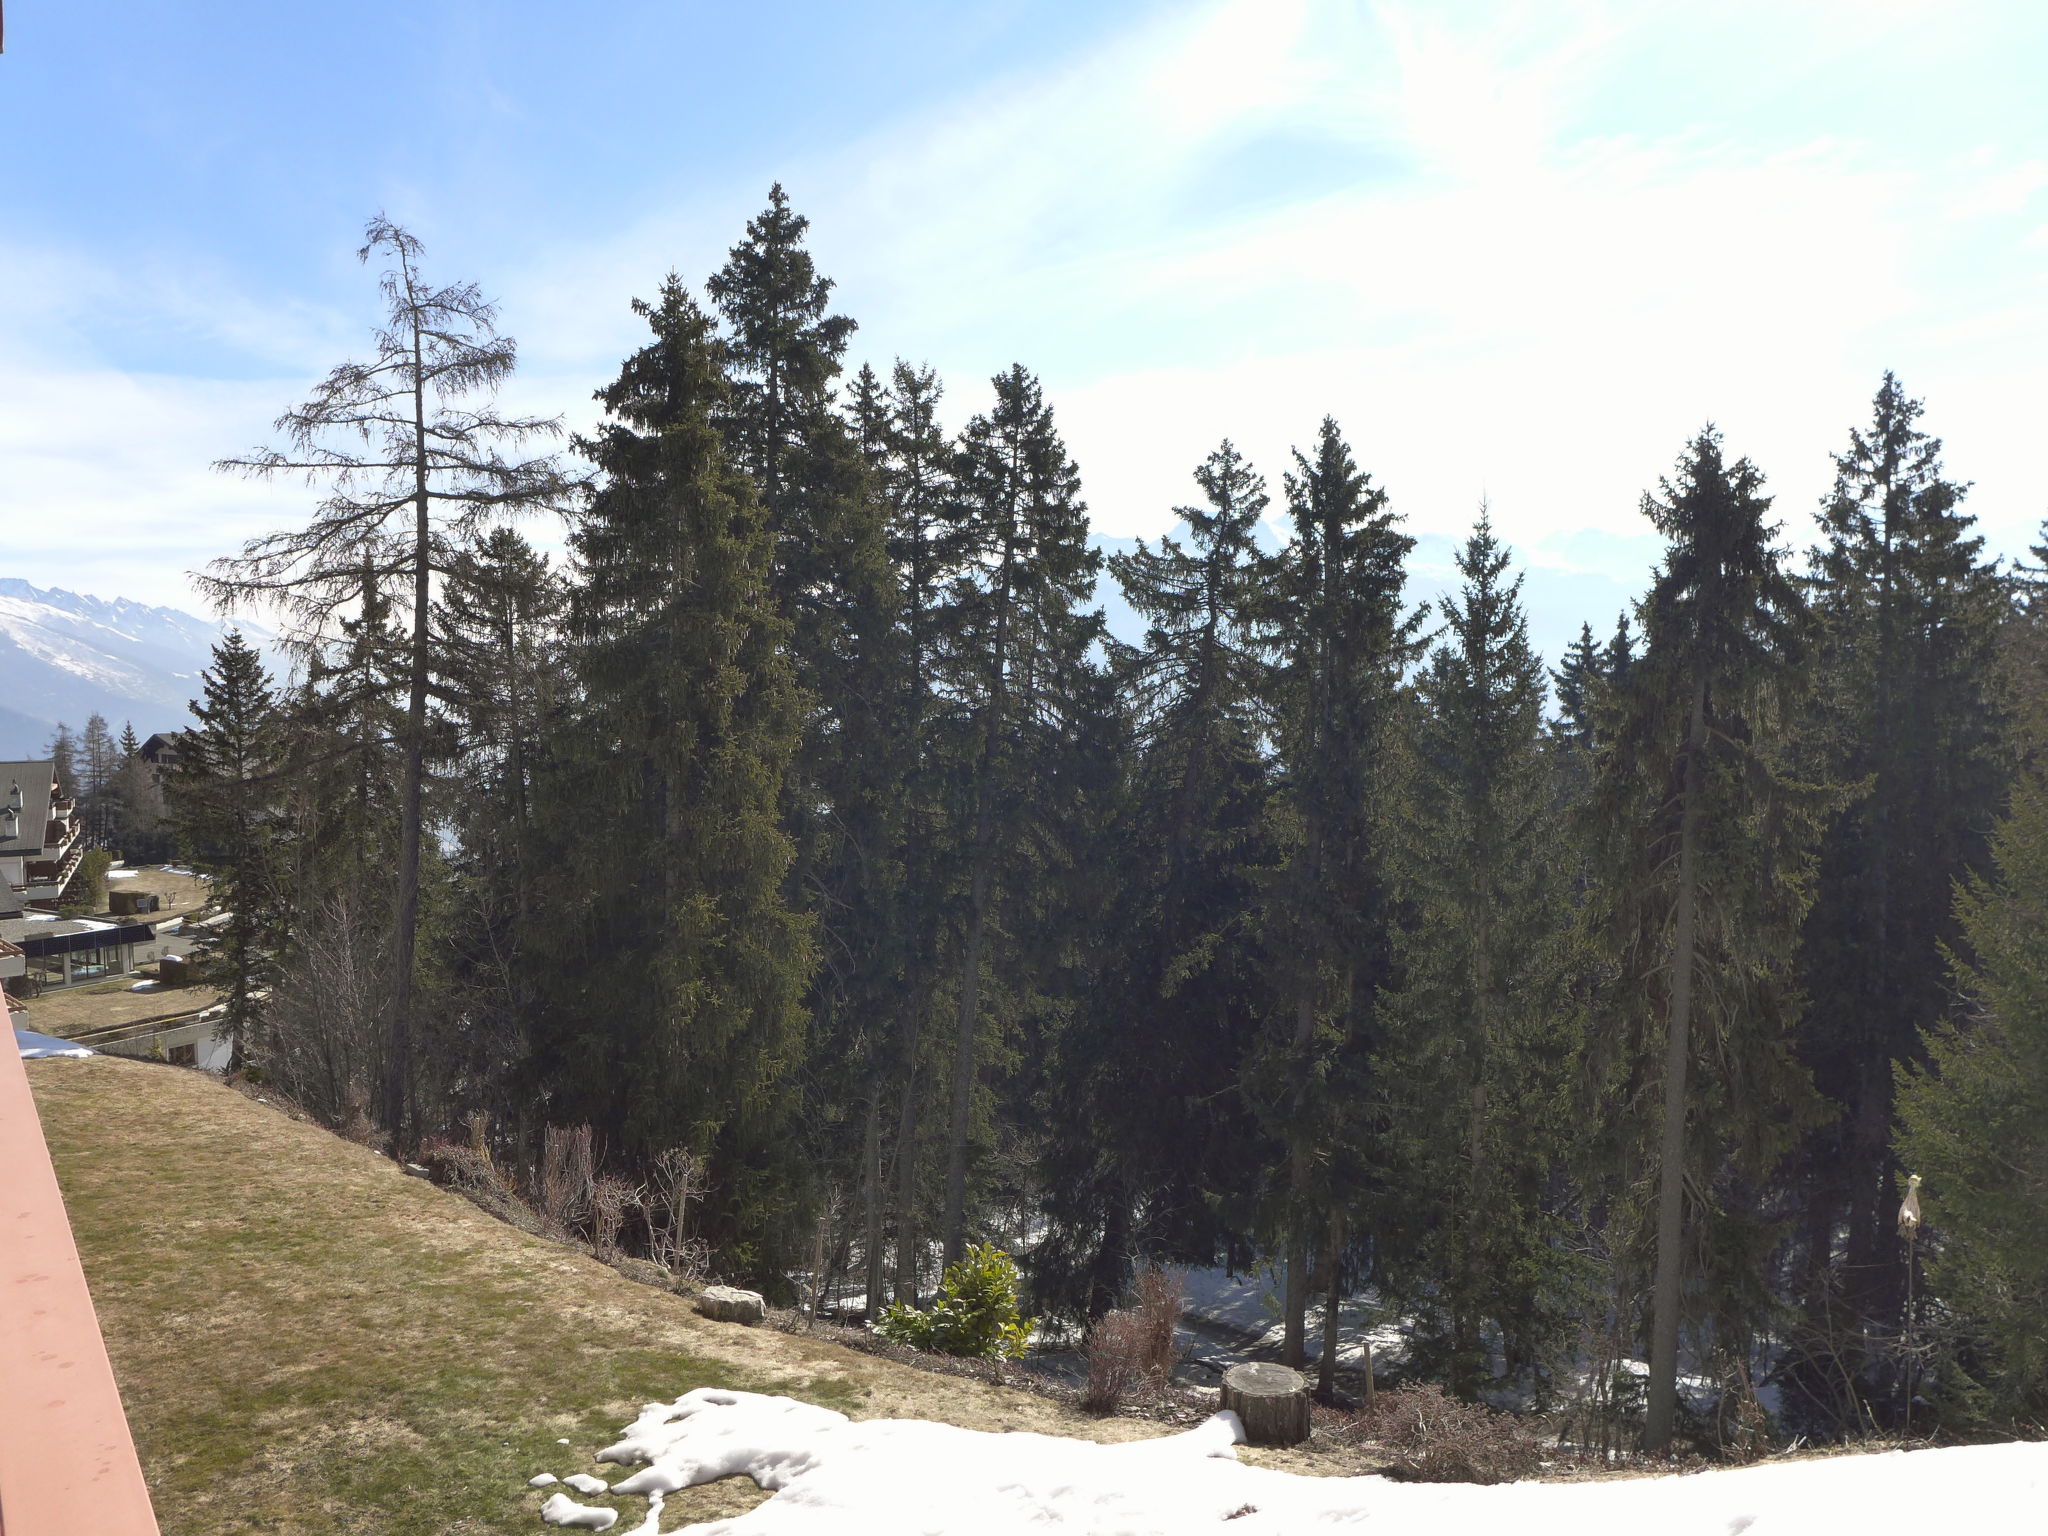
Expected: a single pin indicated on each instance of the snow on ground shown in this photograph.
(122, 874)
(33, 1046)
(904, 1477)
(1249, 1306)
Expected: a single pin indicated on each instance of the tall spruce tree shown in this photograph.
(1909, 709)
(1973, 1118)
(344, 727)
(1483, 1031)
(671, 963)
(1149, 1137)
(831, 576)
(1340, 642)
(1705, 850)
(1577, 677)
(224, 796)
(406, 458)
(501, 687)
(498, 626)
(63, 751)
(98, 760)
(911, 459)
(1017, 666)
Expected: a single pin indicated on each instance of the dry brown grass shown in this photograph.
(309, 1341)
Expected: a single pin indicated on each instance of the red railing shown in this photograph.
(67, 1461)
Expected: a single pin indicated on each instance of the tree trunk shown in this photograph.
(906, 1165)
(1662, 1406)
(871, 1186)
(1271, 1400)
(1326, 1365)
(1294, 1306)
(995, 718)
(955, 1230)
(398, 1115)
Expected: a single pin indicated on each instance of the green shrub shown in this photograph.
(976, 1313)
(91, 880)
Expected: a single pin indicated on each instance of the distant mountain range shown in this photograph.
(64, 656)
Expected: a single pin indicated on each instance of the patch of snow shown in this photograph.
(542, 1480)
(563, 1510)
(147, 986)
(583, 1482)
(122, 874)
(35, 1047)
(1249, 1307)
(833, 1477)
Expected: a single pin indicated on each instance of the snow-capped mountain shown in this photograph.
(64, 656)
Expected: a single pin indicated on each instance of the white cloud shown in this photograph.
(1226, 221)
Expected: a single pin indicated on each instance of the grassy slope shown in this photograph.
(309, 1341)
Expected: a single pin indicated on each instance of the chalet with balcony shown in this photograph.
(41, 842)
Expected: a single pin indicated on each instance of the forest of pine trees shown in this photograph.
(806, 820)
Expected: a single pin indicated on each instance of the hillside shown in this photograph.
(309, 1341)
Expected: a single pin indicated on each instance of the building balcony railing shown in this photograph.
(67, 1459)
(47, 878)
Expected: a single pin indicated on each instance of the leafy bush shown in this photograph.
(976, 1313)
(1432, 1438)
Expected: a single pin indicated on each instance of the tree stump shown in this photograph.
(1271, 1400)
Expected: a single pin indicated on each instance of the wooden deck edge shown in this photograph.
(67, 1459)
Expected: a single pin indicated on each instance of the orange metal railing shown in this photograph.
(67, 1460)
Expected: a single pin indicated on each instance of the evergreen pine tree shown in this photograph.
(1340, 641)
(1908, 708)
(832, 577)
(223, 797)
(1149, 1138)
(1483, 1034)
(671, 963)
(1704, 847)
(498, 625)
(98, 759)
(1577, 677)
(912, 461)
(63, 753)
(1973, 1120)
(1018, 669)
(344, 725)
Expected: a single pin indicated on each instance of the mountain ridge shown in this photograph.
(67, 655)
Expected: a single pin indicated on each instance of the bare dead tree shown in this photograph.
(677, 1180)
(325, 1028)
(410, 469)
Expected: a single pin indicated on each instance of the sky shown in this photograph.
(1521, 252)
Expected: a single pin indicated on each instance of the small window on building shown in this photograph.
(183, 1055)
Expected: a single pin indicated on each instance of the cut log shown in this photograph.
(1270, 1400)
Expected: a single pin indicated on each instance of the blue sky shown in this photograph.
(1519, 251)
